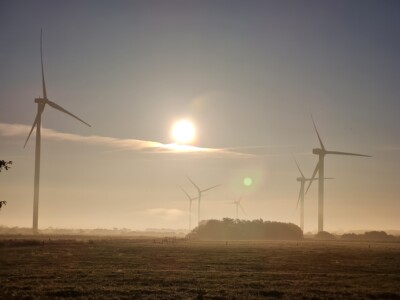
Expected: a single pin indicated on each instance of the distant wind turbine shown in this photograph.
(200, 192)
(321, 152)
(191, 199)
(238, 204)
(301, 197)
(41, 103)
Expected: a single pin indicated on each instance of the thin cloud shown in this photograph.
(20, 130)
(168, 214)
(260, 150)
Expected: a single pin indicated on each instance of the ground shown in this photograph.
(116, 268)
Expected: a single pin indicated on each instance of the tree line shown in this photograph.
(235, 229)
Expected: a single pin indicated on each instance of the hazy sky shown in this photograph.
(247, 73)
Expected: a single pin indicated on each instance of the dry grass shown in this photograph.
(142, 269)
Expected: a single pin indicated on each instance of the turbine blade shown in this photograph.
(187, 195)
(241, 208)
(41, 61)
(298, 167)
(298, 199)
(33, 126)
(319, 138)
(210, 188)
(197, 188)
(58, 107)
(240, 198)
(346, 153)
(313, 176)
(309, 179)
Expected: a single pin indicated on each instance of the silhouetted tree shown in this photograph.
(5, 164)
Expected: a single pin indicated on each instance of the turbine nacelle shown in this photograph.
(40, 100)
(318, 151)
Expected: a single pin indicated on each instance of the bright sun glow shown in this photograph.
(183, 132)
(247, 181)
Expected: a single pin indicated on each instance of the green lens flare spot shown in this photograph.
(247, 181)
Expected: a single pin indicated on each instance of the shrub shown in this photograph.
(324, 235)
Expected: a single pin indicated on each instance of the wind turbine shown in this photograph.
(238, 204)
(301, 197)
(191, 199)
(200, 192)
(321, 152)
(41, 103)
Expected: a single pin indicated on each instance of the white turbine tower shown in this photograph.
(238, 205)
(191, 199)
(301, 197)
(200, 192)
(41, 103)
(321, 152)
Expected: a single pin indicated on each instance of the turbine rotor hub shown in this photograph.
(40, 100)
(318, 151)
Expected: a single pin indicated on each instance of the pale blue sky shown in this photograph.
(246, 72)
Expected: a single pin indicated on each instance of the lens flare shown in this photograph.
(247, 181)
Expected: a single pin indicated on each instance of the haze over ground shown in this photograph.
(247, 73)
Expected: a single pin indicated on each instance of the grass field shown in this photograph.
(148, 269)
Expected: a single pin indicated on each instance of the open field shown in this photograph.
(97, 268)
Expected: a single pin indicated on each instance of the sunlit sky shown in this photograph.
(248, 74)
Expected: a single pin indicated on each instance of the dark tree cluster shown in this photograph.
(234, 229)
(5, 164)
(369, 236)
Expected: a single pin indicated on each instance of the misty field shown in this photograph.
(149, 269)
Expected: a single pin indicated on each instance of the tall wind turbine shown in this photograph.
(321, 152)
(238, 205)
(302, 181)
(191, 199)
(41, 103)
(301, 197)
(200, 192)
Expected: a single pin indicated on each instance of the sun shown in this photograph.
(183, 132)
